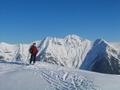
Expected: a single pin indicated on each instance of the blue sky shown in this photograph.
(28, 20)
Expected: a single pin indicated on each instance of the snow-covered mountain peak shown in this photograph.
(102, 57)
(73, 37)
(100, 45)
(101, 42)
(69, 51)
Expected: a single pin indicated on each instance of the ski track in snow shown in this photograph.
(64, 80)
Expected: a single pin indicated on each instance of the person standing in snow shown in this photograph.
(33, 51)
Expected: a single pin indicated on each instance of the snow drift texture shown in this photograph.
(70, 51)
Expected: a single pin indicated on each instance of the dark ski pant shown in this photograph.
(32, 58)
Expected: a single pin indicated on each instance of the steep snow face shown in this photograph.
(69, 51)
(10, 52)
(103, 58)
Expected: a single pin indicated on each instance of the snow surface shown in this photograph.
(44, 76)
(23, 80)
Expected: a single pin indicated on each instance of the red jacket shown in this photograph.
(33, 50)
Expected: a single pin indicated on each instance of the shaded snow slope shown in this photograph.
(103, 58)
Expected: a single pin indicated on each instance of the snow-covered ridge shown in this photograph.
(13, 52)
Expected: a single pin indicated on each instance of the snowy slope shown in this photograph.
(14, 77)
(44, 76)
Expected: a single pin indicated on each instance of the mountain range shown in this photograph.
(71, 51)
